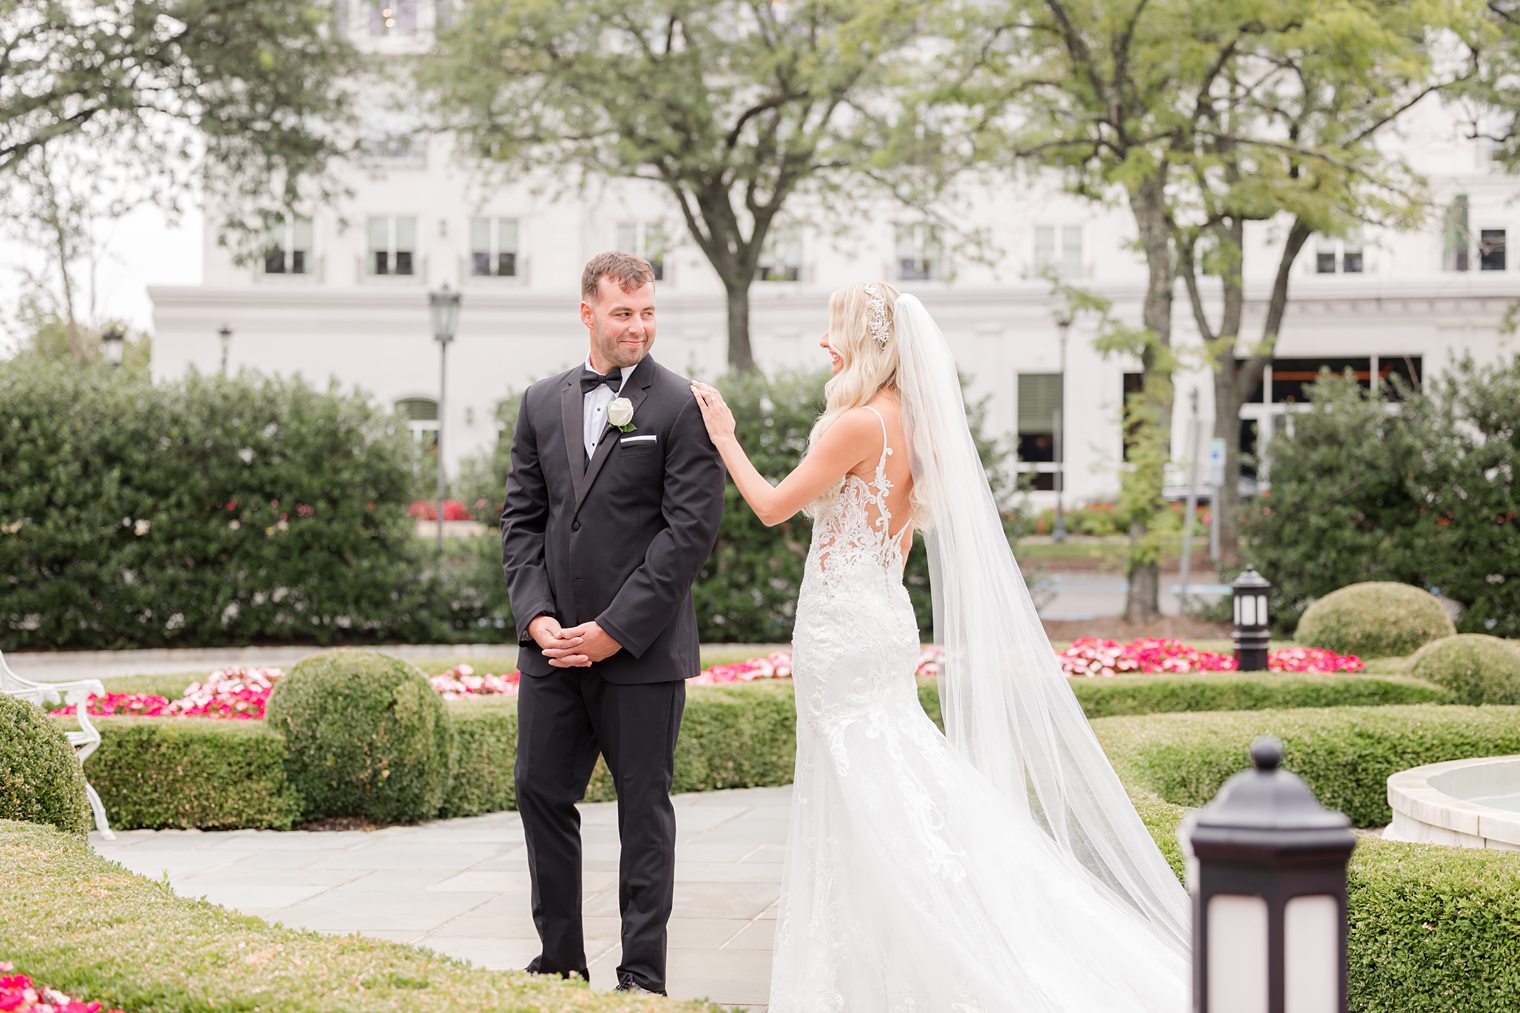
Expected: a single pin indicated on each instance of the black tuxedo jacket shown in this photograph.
(621, 539)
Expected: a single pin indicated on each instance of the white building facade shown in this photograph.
(343, 291)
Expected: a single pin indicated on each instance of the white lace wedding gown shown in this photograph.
(909, 883)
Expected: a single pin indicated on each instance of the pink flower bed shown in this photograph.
(237, 694)
(461, 682)
(1093, 656)
(240, 694)
(1313, 659)
(234, 694)
(777, 665)
(19, 994)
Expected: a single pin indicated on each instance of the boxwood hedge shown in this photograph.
(1345, 753)
(154, 773)
(1375, 619)
(1432, 929)
(366, 735)
(1473, 667)
(206, 510)
(129, 942)
(158, 772)
(40, 779)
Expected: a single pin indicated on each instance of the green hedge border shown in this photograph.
(1433, 929)
(89, 927)
(160, 773)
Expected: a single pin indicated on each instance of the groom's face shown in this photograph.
(621, 324)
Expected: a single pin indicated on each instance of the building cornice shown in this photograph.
(1322, 292)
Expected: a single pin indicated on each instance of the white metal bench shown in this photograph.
(85, 740)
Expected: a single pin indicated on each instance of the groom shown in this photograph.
(612, 506)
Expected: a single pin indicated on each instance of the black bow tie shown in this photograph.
(591, 380)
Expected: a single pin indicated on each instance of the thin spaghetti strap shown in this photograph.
(885, 449)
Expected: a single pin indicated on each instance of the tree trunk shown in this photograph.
(1144, 587)
(1230, 393)
(741, 356)
(1225, 512)
(1142, 602)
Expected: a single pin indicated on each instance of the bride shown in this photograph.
(998, 866)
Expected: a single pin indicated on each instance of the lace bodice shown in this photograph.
(854, 527)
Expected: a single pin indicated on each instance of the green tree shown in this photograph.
(1422, 492)
(1293, 131)
(248, 99)
(1341, 509)
(1113, 96)
(1469, 426)
(50, 337)
(734, 107)
(57, 317)
(1153, 103)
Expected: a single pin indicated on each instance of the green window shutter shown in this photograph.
(418, 409)
(1039, 400)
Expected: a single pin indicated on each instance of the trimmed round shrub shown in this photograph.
(1477, 669)
(1378, 619)
(40, 778)
(365, 735)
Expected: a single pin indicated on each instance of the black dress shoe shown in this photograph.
(629, 985)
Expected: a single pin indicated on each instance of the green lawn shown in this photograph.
(1108, 549)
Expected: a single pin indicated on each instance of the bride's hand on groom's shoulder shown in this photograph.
(715, 412)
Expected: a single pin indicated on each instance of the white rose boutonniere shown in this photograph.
(620, 414)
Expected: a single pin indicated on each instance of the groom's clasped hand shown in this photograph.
(573, 646)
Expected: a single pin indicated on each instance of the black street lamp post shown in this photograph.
(1267, 873)
(225, 334)
(1058, 529)
(1251, 636)
(113, 346)
(443, 306)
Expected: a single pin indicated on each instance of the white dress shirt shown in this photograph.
(594, 408)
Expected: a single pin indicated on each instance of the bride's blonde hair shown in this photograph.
(869, 365)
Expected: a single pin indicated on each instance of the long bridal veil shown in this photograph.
(1006, 704)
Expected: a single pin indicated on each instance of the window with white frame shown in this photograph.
(1283, 390)
(1058, 250)
(781, 256)
(392, 245)
(287, 244)
(647, 240)
(1491, 249)
(421, 414)
(1039, 427)
(493, 247)
(392, 18)
(1338, 256)
(919, 253)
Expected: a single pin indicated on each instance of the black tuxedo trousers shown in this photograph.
(617, 538)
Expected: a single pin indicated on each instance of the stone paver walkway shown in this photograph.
(461, 886)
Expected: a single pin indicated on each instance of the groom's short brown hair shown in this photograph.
(628, 271)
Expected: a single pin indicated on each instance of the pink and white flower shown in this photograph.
(19, 994)
(242, 694)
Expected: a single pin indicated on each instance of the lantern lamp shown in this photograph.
(1251, 636)
(1267, 873)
